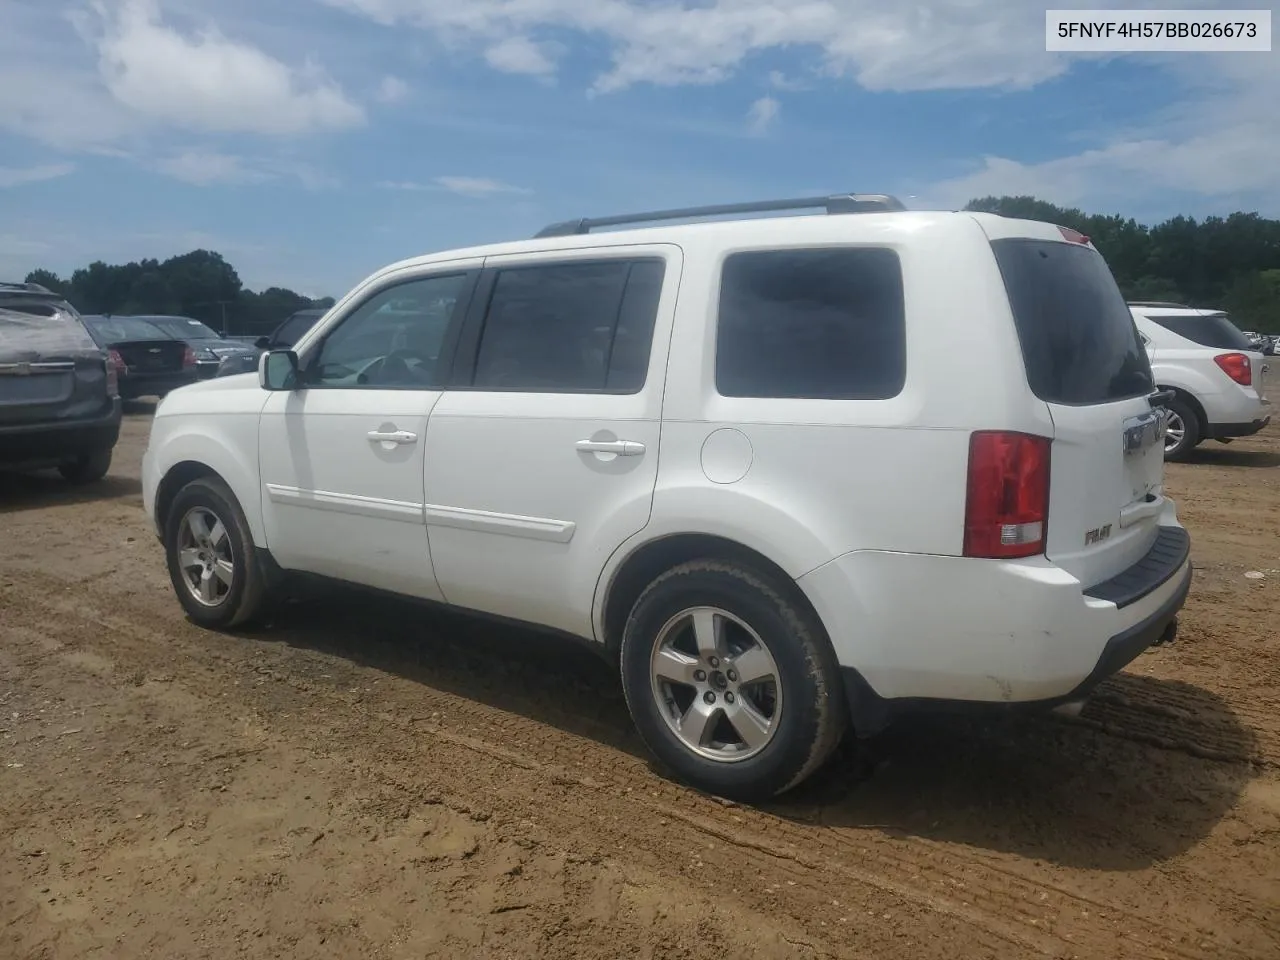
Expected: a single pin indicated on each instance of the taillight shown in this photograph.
(1007, 502)
(115, 361)
(113, 379)
(188, 357)
(1237, 366)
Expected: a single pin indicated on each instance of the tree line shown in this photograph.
(199, 284)
(1230, 263)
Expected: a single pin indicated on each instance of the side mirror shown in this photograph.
(278, 370)
(263, 343)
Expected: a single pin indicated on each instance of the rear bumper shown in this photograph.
(915, 632)
(136, 385)
(33, 445)
(1228, 431)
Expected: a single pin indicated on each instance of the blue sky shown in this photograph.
(313, 141)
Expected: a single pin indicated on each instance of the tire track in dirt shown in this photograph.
(1034, 916)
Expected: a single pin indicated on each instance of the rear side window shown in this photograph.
(1079, 342)
(1214, 330)
(820, 324)
(570, 327)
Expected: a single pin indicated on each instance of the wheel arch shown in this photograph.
(1190, 399)
(182, 457)
(650, 559)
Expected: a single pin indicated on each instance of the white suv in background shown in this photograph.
(1213, 369)
(793, 475)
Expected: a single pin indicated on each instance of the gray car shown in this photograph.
(59, 397)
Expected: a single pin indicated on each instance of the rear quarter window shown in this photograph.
(1213, 330)
(813, 323)
(1080, 345)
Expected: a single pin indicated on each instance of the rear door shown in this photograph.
(1084, 358)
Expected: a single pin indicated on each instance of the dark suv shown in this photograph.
(59, 401)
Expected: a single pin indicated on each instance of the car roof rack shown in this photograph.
(10, 286)
(1161, 304)
(840, 203)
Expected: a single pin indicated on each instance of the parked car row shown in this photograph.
(1264, 343)
(63, 375)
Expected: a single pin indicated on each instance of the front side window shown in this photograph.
(818, 324)
(570, 327)
(393, 340)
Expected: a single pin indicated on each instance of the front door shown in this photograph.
(342, 456)
(542, 458)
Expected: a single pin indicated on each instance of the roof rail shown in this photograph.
(1161, 304)
(840, 203)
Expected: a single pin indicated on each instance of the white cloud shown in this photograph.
(520, 55)
(204, 168)
(478, 187)
(392, 90)
(1212, 144)
(207, 81)
(883, 44)
(762, 115)
(17, 176)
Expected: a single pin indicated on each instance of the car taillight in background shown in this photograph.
(1007, 501)
(113, 377)
(115, 361)
(188, 358)
(1237, 366)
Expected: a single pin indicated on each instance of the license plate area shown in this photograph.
(1142, 440)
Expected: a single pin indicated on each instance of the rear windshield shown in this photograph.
(121, 329)
(1079, 342)
(1212, 330)
(180, 328)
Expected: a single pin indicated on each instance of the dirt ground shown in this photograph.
(365, 779)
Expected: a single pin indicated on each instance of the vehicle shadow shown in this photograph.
(38, 490)
(1146, 773)
(1226, 457)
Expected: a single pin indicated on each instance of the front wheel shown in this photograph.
(731, 682)
(215, 572)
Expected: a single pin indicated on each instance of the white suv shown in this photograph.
(794, 475)
(1213, 369)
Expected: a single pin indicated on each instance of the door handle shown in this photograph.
(392, 436)
(621, 448)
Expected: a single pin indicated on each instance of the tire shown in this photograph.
(87, 468)
(229, 550)
(806, 714)
(1180, 412)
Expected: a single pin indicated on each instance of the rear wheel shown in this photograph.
(87, 468)
(730, 681)
(215, 571)
(1182, 433)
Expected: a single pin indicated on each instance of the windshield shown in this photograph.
(1079, 342)
(121, 329)
(1212, 330)
(183, 328)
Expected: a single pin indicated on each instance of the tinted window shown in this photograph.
(291, 331)
(392, 340)
(180, 328)
(121, 329)
(823, 324)
(1079, 341)
(570, 327)
(1214, 330)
